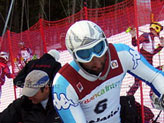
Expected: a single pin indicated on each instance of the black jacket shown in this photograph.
(24, 111)
(46, 63)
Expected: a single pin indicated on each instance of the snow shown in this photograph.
(8, 89)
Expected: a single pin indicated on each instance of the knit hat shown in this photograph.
(54, 53)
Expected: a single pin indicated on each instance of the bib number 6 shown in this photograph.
(101, 106)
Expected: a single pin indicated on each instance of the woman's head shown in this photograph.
(156, 28)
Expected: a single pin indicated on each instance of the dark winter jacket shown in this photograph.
(22, 110)
(46, 63)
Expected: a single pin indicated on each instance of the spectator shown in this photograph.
(148, 49)
(87, 90)
(24, 56)
(35, 106)
(4, 69)
(48, 63)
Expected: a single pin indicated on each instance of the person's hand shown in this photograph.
(163, 68)
(162, 41)
(132, 32)
(157, 102)
(162, 102)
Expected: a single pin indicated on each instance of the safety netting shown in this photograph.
(114, 20)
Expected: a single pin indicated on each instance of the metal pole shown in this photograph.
(138, 47)
(8, 16)
(85, 9)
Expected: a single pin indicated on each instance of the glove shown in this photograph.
(157, 103)
(162, 41)
(162, 101)
(132, 32)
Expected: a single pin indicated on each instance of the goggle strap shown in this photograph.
(106, 74)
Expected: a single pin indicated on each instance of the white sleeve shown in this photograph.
(135, 64)
(66, 102)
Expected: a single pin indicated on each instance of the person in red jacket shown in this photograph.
(4, 69)
(148, 49)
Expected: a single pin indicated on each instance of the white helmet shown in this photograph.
(84, 40)
(84, 35)
(4, 55)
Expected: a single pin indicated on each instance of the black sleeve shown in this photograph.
(57, 67)
(20, 78)
(134, 41)
(12, 114)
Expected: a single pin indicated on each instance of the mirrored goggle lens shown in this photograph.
(86, 54)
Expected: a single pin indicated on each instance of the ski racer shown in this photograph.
(148, 49)
(147, 40)
(87, 90)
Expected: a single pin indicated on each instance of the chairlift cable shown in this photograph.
(22, 15)
(27, 13)
(42, 8)
(69, 8)
(73, 9)
(64, 8)
(80, 4)
(49, 9)
(115, 12)
(160, 13)
(2, 17)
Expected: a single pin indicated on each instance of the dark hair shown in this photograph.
(49, 85)
(42, 89)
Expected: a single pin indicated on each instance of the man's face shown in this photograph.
(96, 65)
(40, 96)
(154, 33)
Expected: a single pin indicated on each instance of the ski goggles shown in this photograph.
(86, 53)
(158, 28)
